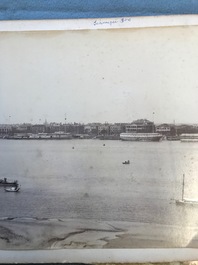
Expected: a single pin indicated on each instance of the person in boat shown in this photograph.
(16, 187)
(126, 162)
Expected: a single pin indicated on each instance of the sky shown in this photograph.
(109, 75)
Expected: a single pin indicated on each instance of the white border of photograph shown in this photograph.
(99, 23)
(99, 255)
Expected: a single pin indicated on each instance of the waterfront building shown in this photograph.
(91, 128)
(5, 129)
(104, 129)
(74, 128)
(166, 129)
(115, 129)
(38, 128)
(186, 128)
(55, 127)
(22, 128)
(140, 126)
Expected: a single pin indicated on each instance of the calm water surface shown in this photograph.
(90, 181)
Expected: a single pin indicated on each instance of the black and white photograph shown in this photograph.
(99, 139)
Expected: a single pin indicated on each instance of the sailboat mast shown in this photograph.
(175, 128)
(183, 187)
(65, 122)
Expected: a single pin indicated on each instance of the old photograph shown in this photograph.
(99, 139)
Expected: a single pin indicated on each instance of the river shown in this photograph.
(85, 179)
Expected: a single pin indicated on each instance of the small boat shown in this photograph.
(6, 182)
(12, 189)
(126, 162)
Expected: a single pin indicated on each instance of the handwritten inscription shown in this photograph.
(111, 22)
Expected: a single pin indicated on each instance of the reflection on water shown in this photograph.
(84, 179)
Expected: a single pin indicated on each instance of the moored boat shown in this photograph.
(173, 138)
(5, 182)
(141, 137)
(127, 162)
(12, 189)
(41, 136)
(189, 137)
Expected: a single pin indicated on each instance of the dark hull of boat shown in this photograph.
(8, 183)
(141, 137)
(173, 138)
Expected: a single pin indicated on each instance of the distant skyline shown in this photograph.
(99, 75)
(93, 122)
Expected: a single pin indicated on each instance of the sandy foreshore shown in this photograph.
(29, 233)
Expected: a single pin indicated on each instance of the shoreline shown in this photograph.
(44, 233)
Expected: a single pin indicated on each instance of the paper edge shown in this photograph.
(99, 23)
(99, 255)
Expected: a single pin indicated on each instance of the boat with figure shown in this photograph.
(141, 137)
(12, 189)
(127, 162)
(5, 182)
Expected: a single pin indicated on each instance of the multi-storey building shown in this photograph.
(91, 128)
(5, 129)
(140, 126)
(73, 128)
(115, 129)
(38, 128)
(104, 129)
(166, 129)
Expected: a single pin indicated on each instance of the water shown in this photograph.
(86, 180)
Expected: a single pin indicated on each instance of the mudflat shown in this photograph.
(28, 233)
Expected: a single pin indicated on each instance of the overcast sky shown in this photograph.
(99, 75)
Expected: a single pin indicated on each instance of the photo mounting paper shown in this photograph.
(99, 139)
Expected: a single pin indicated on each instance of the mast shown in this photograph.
(175, 128)
(65, 121)
(153, 122)
(183, 187)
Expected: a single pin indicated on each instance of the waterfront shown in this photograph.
(85, 180)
